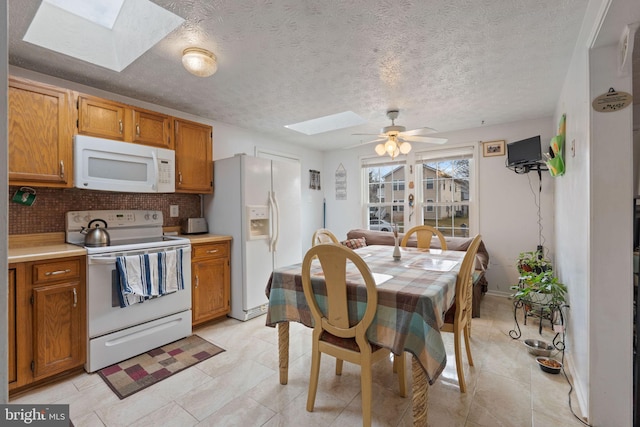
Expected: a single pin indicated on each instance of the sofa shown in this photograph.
(480, 284)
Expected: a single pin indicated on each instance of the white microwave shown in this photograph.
(104, 164)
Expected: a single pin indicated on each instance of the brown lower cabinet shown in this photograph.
(210, 281)
(47, 319)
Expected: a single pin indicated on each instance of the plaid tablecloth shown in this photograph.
(411, 302)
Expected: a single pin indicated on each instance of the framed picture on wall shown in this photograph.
(493, 148)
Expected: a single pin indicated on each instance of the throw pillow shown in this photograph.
(360, 242)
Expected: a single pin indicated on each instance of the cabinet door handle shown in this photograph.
(54, 273)
(212, 251)
(137, 129)
(120, 126)
(62, 169)
(179, 177)
(75, 298)
(197, 281)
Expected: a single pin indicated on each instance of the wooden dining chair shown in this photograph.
(458, 318)
(334, 332)
(322, 235)
(424, 233)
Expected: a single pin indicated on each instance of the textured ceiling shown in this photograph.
(446, 64)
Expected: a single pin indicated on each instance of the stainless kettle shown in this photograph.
(96, 236)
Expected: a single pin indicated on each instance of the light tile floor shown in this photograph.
(240, 386)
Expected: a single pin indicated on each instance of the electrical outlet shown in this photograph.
(174, 211)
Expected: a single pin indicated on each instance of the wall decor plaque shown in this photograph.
(612, 101)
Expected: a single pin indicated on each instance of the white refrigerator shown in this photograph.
(257, 201)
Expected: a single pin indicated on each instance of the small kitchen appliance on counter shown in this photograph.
(194, 226)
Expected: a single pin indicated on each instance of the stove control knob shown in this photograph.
(77, 218)
(146, 216)
(155, 216)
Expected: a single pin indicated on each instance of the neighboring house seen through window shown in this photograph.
(442, 191)
(384, 198)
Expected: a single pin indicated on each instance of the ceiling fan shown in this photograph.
(393, 140)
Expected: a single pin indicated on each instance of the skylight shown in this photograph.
(101, 12)
(327, 123)
(108, 33)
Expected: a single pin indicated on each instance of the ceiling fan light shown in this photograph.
(390, 146)
(405, 147)
(199, 62)
(395, 153)
(380, 149)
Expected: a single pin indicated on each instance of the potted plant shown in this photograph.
(532, 262)
(541, 288)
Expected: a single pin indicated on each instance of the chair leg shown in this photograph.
(459, 368)
(313, 378)
(365, 391)
(339, 366)
(467, 334)
(399, 365)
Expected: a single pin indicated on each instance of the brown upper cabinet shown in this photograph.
(100, 117)
(194, 167)
(40, 134)
(112, 120)
(151, 128)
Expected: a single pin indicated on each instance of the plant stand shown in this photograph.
(533, 309)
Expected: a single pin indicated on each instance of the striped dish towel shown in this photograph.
(149, 275)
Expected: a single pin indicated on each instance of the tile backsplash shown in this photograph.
(47, 214)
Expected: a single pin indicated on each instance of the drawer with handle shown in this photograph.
(211, 250)
(47, 272)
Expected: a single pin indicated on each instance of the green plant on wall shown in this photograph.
(555, 156)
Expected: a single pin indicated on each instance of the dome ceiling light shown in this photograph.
(199, 62)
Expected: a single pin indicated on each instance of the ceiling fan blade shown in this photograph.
(419, 131)
(427, 139)
(370, 134)
(365, 143)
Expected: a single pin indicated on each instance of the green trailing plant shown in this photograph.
(541, 288)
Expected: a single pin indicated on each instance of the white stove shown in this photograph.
(117, 333)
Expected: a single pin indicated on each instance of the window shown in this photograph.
(384, 194)
(446, 205)
(429, 184)
(429, 205)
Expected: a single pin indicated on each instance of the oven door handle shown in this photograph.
(111, 258)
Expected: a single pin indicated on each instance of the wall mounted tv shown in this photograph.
(524, 152)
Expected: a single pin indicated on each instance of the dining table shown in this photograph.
(414, 293)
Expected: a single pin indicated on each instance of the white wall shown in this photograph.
(594, 220)
(611, 245)
(508, 214)
(227, 141)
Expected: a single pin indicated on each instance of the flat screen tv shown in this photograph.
(524, 152)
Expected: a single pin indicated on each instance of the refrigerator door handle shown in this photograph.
(272, 222)
(276, 236)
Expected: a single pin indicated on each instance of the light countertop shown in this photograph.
(38, 253)
(205, 238)
(51, 249)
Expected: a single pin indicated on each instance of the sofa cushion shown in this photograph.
(359, 242)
